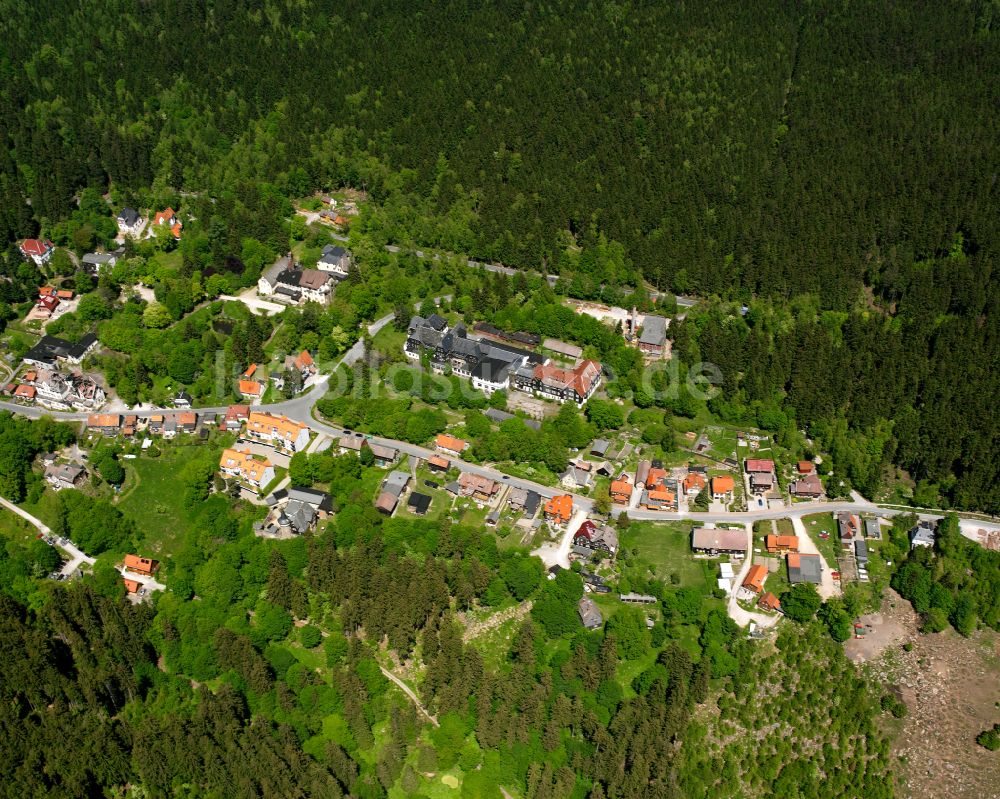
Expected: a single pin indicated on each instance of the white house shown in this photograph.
(129, 222)
(335, 259)
(38, 250)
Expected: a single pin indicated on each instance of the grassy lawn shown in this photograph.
(14, 528)
(155, 501)
(830, 547)
(723, 443)
(666, 548)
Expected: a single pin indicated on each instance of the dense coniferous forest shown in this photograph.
(844, 151)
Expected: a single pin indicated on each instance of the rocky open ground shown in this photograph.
(951, 687)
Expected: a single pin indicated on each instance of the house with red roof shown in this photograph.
(38, 250)
(551, 381)
(169, 218)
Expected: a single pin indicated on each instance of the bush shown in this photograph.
(310, 636)
(990, 739)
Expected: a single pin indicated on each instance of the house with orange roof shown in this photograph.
(806, 467)
(279, 431)
(722, 488)
(303, 363)
(132, 586)
(438, 464)
(621, 490)
(169, 218)
(694, 483)
(659, 499)
(242, 465)
(25, 392)
(559, 509)
(252, 389)
(251, 369)
(450, 444)
(769, 602)
(106, 423)
(754, 582)
(145, 566)
(548, 380)
(781, 543)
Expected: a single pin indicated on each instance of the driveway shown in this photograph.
(558, 554)
(250, 299)
(827, 588)
(741, 616)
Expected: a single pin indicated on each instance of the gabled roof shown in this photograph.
(36, 246)
(654, 331)
(560, 506)
(722, 485)
(128, 216)
(445, 441)
(755, 578)
(251, 388)
(759, 465)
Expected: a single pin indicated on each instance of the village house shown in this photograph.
(67, 475)
(694, 483)
(481, 489)
(45, 306)
(129, 222)
(552, 382)
(168, 217)
(590, 614)
(769, 602)
(438, 464)
(351, 443)
(754, 582)
(236, 415)
(93, 263)
(642, 474)
(334, 259)
(38, 250)
(848, 525)
(653, 339)
(294, 511)
(302, 363)
(286, 282)
(596, 539)
(808, 486)
(384, 456)
(722, 488)
(781, 543)
(393, 488)
(278, 431)
(559, 509)
(872, 528)
(578, 475)
(144, 566)
(761, 472)
(132, 586)
(242, 465)
(450, 445)
(923, 535)
(106, 423)
(23, 392)
(806, 467)
(524, 500)
(716, 541)
(621, 490)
